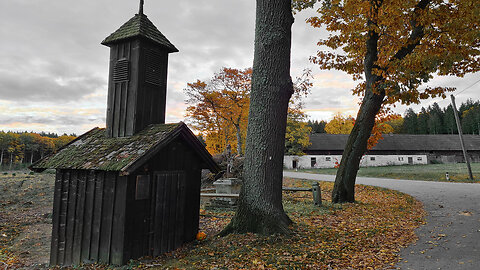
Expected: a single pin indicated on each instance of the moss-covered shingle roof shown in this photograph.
(140, 26)
(94, 151)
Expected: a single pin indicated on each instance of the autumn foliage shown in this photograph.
(219, 110)
(394, 48)
(344, 125)
(367, 235)
(340, 124)
(28, 147)
(415, 39)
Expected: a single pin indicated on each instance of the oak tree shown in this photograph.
(393, 47)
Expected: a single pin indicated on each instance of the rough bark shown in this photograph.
(344, 188)
(260, 207)
(356, 146)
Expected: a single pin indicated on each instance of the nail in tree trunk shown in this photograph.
(260, 207)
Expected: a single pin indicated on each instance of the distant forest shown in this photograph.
(20, 148)
(430, 120)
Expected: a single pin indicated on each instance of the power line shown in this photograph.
(445, 99)
(467, 88)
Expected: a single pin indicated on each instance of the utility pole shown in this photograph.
(460, 134)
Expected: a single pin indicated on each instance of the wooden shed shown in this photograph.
(122, 198)
(133, 188)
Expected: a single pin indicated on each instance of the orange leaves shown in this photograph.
(381, 126)
(365, 235)
(219, 108)
(414, 42)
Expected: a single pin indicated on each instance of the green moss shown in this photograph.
(95, 151)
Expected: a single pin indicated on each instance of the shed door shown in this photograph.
(169, 217)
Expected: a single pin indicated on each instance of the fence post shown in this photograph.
(317, 194)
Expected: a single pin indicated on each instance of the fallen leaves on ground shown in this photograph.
(364, 235)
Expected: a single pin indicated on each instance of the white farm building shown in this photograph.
(325, 150)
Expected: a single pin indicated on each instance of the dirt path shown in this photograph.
(451, 237)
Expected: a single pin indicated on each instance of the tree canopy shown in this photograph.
(218, 108)
(27, 147)
(393, 48)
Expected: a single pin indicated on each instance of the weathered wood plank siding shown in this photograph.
(88, 217)
(136, 93)
(166, 219)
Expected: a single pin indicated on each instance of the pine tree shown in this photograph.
(410, 122)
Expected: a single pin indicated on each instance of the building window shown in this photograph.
(294, 164)
(419, 158)
(328, 159)
(313, 161)
(400, 158)
(372, 158)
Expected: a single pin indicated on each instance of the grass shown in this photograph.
(430, 172)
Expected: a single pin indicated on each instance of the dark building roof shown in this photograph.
(95, 151)
(398, 142)
(140, 26)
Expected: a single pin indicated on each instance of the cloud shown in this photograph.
(52, 59)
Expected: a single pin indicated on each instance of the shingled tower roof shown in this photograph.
(140, 26)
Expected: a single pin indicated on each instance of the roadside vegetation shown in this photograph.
(430, 172)
(367, 234)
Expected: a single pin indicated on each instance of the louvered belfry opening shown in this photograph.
(137, 86)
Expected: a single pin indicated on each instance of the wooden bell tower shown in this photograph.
(137, 85)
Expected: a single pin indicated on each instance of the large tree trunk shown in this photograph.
(260, 208)
(344, 188)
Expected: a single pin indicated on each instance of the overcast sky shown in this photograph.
(53, 70)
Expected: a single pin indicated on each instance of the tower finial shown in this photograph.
(140, 12)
